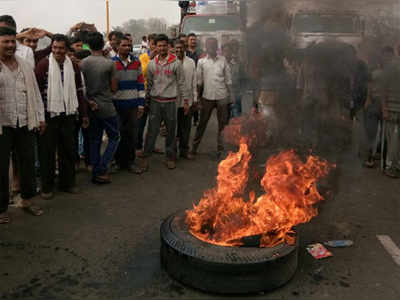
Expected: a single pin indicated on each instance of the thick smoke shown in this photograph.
(319, 117)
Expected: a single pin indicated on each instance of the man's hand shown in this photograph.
(85, 122)
(42, 127)
(93, 105)
(186, 108)
(30, 33)
(195, 106)
(76, 27)
(41, 33)
(153, 54)
(140, 112)
(232, 98)
(385, 114)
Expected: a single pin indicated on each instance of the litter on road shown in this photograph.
(318, 251)
(339, 243)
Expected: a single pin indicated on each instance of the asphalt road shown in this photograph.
(104, 243)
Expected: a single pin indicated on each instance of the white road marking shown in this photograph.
(390, 247)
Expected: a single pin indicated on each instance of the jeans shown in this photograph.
(22, 140)
(237, 107)
(97, 127)
(161, 112)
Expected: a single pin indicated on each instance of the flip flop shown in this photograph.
(4, 219)
(33, 210)
(137, 170)
(158, 151)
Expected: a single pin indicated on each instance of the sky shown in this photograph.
(58, 16)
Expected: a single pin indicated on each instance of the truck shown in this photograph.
(221, 19)
(309, 27)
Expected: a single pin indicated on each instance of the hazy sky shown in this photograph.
(60, 15)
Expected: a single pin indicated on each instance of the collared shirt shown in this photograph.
(112, 53)
(194, 55)
(125, 62)
(26, 53)
(215, 75)
(42, 76)
(13, 97)
(189, 69)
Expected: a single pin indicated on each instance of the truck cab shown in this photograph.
(219, 19)
(311, 27)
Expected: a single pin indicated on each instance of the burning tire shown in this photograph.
(226, 270)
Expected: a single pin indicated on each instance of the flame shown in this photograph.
(224, 217)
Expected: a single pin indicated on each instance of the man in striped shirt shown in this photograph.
(129, 102)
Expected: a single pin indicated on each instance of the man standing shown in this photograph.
(101, 80)
(145, 59)
(60, 84)
(23, 52)
(76, 43)
(184, 38)
(237, 77)
(185, 120)
(21, 112)
(129, 102)
(165, 83)
(215, 79)
(30, 37)
(194, 52)
(145, 45)
(113, 38)
(391, 111)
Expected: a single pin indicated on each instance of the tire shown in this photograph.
(223, 270)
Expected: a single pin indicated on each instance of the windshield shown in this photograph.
(210, 24)
(326, 23)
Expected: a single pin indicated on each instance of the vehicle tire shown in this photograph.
(225, 270)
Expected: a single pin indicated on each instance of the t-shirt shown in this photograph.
(144, 61)
(98, 72)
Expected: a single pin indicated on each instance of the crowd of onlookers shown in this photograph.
(87, 100)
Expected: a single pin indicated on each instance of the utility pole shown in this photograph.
(108, 16)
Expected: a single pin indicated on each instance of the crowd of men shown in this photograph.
(85, 99)
(82, 98)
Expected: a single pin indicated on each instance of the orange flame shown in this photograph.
(223, 216)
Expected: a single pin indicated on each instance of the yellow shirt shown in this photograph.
(144, 60)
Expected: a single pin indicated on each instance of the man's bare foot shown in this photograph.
(4, 218)
(28, 207)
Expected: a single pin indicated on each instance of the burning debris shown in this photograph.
(225, 217)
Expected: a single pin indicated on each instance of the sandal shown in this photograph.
(136, 170)
(4, 218)
(35, 211)
(158, 151)
(101, 180)
(370, 163)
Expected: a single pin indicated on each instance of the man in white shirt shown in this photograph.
(22, 51)
(21, 113)
(185, 120)
(214, 76)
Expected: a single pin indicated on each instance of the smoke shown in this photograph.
(318, 118)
